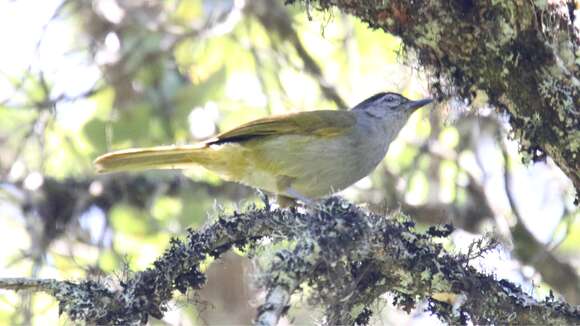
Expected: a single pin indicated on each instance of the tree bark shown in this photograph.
(347, 256)
(520, 56)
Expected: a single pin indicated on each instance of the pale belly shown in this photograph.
(311, 168)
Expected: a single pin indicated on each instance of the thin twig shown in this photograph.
(23, 283)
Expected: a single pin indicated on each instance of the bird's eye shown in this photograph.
(391, 100)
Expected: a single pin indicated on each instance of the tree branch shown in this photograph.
(284, 280)
(21, 283)
(559, 274)
(347, 256)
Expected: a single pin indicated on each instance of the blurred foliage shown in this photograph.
(93, 76)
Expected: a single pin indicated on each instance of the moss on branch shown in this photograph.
(347, 256)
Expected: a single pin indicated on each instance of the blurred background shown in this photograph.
(80, 78)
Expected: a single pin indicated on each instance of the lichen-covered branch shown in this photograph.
(347, 256)
(287, 272)
(20, 283)
(521, 56)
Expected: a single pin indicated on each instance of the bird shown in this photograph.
(299, 156)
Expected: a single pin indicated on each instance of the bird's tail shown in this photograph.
(161, 157)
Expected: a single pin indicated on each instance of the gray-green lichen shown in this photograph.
(346, 257)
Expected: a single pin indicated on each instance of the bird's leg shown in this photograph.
(284, 185)
(295, 194)
(285, 201)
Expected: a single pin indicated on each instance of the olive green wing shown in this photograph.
(325, 123)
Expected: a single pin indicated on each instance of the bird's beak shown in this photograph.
(414, 105)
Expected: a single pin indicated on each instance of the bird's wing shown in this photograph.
(324, 123)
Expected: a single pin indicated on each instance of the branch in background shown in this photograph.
(287, 272)
(19, 284)
(274, 17)
(557, 273)
(468, 214)
(347, 256)
(56, 204)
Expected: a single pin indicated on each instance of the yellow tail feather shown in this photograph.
(161, 157)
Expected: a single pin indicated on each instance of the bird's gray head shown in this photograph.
(390, 106)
